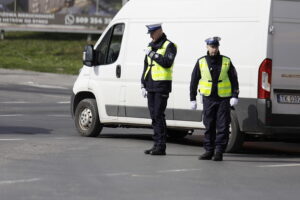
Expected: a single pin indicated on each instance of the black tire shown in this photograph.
(177, 134)
(236, 137)
(87, 120)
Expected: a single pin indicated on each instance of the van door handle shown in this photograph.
(118, 71)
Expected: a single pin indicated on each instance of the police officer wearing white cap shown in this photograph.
(216, 78)
(157, 83)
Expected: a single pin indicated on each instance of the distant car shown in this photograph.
(69, 2)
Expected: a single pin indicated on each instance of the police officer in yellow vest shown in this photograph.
(216, 78)
(157, 83)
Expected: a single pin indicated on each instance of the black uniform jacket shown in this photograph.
(214, 64)
(165, 61)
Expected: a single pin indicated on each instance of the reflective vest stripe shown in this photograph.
(224, 84)
(158, 72)
(205, 83)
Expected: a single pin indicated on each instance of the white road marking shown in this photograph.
(281, 165)
(63, 102)
(14, 102)
(12, 115)
(44, 86)
(147, 175)
(12, 139)
(59, 115)
(9, 182)
(56, 95)
(143, 175)
(155, 174)
(178, 170)
(118, 174)
(24, 102)
(128, 174)
(60, 138)
(18, 115)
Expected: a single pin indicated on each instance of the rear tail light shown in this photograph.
(264, 79)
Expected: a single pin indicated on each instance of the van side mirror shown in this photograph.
(88, 55)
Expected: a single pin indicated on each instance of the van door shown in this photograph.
(286, 59)
(106, 79)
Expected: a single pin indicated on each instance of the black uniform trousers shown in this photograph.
(157, 103)
(216, 121)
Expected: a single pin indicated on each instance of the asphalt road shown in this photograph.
(43, 157)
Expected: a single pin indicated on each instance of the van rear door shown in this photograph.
(286, 58)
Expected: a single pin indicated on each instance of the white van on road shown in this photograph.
(262, 37)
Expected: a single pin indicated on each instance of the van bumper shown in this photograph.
(279, 125)
(282, 131)
(72, 105)
(283, 125)
(255, 118)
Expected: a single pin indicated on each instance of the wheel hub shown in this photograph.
(86, 118)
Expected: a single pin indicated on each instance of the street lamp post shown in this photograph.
(15, 6)
(97, 6)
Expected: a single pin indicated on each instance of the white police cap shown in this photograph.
(153, 27)
(213, 41)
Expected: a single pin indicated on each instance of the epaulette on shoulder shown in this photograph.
(201, 58)
(225, 57)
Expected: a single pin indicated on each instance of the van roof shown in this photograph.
(179, 10)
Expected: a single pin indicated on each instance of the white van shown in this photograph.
(262, 38)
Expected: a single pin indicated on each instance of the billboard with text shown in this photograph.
(87, 16)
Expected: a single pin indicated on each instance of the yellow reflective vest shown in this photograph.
(205, 83)
(158, 72)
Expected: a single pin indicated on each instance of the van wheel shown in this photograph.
(87, 119)
(236, 137)
(176, 134)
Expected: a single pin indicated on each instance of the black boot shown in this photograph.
(207, 155)
(148, 151)
(218, 156)
(160, 150)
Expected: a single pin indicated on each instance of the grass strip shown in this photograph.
(43, 52)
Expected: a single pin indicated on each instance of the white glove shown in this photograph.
(144, 92)
(147, 51)
(234, 101)
(193, 105)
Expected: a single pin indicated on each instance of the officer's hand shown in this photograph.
(193, 105)
(149, 52)
(234, 101)
(144, 92)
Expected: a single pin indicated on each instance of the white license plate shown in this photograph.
(291, 99)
